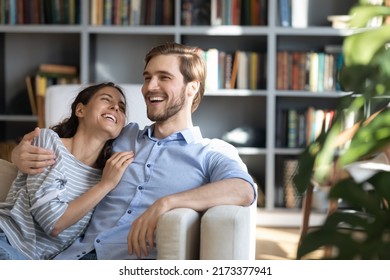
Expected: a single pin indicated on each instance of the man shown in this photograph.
(173, 166)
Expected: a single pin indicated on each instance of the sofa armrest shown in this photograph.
(177, 235)
(8, 173)
(228, 232)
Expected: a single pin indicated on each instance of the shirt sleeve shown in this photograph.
(225, 163)
(47, 191)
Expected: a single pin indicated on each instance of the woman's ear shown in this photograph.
(79, 110)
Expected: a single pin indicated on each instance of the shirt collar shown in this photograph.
(190, 135)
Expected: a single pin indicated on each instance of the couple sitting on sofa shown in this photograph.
(167, 165)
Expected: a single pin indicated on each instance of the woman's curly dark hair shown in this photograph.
(68, 127)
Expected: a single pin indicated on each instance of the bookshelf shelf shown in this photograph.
(18, 118)
(144, 30)
(39, 28)
(115, 52)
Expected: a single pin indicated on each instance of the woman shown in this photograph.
(44, 213)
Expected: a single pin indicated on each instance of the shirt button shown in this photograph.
(159, 143)
(148, 165)
(128, 211)
(140, 188)
(97, 240)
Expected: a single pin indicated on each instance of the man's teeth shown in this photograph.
(156, 99)
(110, 117)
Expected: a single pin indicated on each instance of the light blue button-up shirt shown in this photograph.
(180, 162)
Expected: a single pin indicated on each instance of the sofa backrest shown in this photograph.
(60, 97)
(8, 172)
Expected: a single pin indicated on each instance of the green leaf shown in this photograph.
(360, 15)
(368, 139)
(360, 48)
(317, 239)
(303, 175)
(380, 181)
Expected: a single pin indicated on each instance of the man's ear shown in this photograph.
(79, 110)
(194, 87)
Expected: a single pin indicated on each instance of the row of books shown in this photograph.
(298, 128)
(295, 13)
(132, 12)
(238, 70)
(224, 12)
(47, 75)
(39, 12)
(311, 71)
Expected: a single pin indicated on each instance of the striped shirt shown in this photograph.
(36, 202)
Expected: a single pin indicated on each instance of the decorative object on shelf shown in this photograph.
(292, 197)
(339, 21)
(245, 136)
(367, 74)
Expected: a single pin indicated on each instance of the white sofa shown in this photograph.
(222, 232)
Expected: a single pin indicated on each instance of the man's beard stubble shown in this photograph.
(172, 109)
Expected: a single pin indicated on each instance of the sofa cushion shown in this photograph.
(8, 173)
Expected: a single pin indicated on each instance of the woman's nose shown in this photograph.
(115, 107)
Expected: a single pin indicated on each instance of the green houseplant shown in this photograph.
(366, 73)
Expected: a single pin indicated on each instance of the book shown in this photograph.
(299, 13)
(233, 80)
(310, 111)
(292, 132)
(212, 57)
(221, 69)
(31, 94)
(284, 13)
(58, 69)
(253, 70)
(228, 70)
(40, 91)
(313, 75)
(216, 12)
(107, 15)
(135, 12)
(295, 56)
(168, 12)
(243, 71)
(320, 72)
